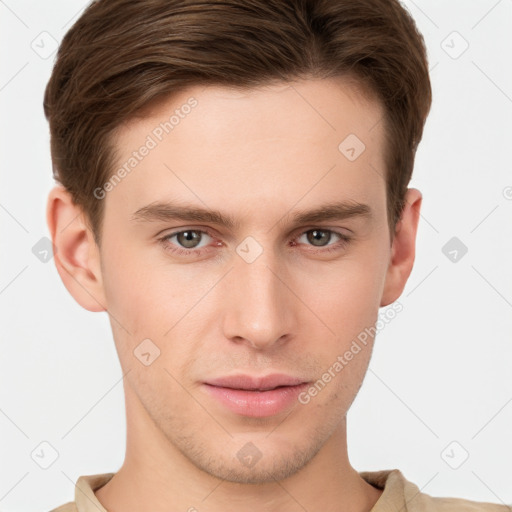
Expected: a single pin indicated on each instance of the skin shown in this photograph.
(256, 155)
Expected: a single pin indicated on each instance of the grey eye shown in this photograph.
(319, 237)
(189, 239)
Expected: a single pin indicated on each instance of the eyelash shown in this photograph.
(344, 240)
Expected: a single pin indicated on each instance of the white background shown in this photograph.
(440, 372)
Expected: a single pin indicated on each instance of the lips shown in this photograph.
(255, 396)
(250, 383)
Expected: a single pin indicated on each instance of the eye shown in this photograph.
(188, 241)
(320, 238)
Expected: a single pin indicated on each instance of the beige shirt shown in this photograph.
(399, 495)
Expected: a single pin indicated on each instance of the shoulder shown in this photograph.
(84, 493)
(67, 507)
(401, 494)
(422, 502)
(462, 505)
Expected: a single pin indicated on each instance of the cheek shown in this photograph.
(347, 297)
(155, 302)
(137, 291)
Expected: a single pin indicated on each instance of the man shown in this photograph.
(233, 193)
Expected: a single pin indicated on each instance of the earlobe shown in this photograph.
(403, 248)
(77, 256)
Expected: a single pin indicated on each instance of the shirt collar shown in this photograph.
(398, 494)
(85, 499)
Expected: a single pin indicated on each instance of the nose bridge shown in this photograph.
(260, 307)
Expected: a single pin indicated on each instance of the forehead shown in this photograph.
(288, 143)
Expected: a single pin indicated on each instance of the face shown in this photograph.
(193, 299)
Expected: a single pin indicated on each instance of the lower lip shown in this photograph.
(256, 403)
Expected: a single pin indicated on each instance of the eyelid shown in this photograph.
(174, 231)
(335, 229)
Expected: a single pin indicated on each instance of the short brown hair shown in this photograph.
(122, 55)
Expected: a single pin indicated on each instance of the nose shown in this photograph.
(260, 308)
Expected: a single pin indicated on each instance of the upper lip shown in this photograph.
(249, 382)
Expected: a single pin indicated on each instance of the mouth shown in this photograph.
(256, 383)
(254, 390)
(255, 396)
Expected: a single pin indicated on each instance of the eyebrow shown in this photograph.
(169, 211)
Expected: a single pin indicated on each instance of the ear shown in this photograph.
(403, 248)
(77, 257)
